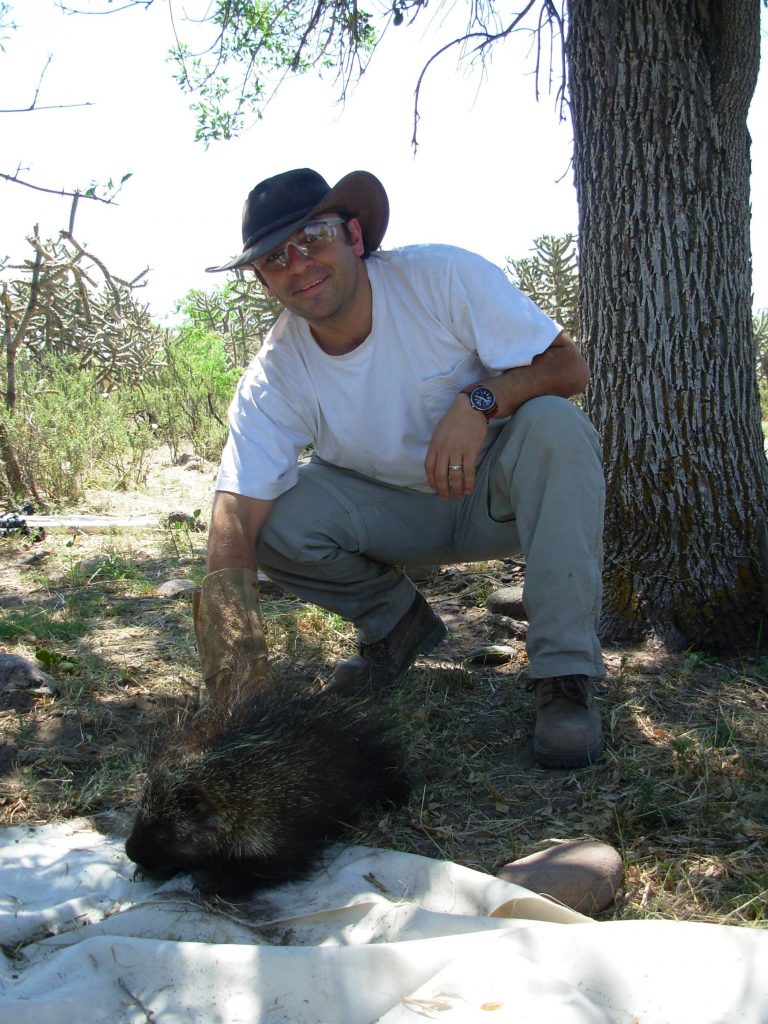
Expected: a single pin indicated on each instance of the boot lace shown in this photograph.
(573, 688)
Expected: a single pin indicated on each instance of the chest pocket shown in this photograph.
(439, 392)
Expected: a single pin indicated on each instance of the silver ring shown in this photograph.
(457, 469)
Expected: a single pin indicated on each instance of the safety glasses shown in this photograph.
(312, 238)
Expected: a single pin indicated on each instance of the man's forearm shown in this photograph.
(560, 370)
(236, 523)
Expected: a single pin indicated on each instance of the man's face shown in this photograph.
(324, 284)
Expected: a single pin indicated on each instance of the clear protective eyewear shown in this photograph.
(311, 239)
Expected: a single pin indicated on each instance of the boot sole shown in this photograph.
(564, 759)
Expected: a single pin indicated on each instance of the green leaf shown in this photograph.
(52, 660)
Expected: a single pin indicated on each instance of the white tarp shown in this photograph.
(373, 936)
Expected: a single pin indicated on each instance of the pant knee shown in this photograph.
(306, 524)
(552, 420)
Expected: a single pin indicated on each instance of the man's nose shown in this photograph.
(300, 252)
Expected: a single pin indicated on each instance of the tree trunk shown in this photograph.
(10, 464)
(660, 91)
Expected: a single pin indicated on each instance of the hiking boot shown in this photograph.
(381, 665)
(568, 731)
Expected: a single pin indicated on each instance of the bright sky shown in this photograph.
(492, 170)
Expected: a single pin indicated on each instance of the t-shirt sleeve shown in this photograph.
(267, 433)
(488, 311)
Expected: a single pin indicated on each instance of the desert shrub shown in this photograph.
(67, 433)
(239, 312)
(186, 398)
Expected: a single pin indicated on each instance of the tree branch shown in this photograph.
(112, 10)
(34, 105)
(486, 39)
(44, 106)
(56, 191)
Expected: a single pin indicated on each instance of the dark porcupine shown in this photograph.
(246, 794)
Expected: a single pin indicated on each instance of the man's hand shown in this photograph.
(458, 438)
(454, 450)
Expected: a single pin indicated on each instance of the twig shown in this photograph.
(112, 10)
(47, 106)
(150, 1014)
(485, 38)
(55, 191)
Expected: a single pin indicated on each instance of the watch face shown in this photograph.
(482, 399)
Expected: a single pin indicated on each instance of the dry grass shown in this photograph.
(682, 791)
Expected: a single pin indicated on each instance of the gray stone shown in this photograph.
(507, 601)
(89, 566)
(176, 588)
(35, 558)
(502, 627)
(491, 654)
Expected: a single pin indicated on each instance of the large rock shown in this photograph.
(507, 601)
(584, 874)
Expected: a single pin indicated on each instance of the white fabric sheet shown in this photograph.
(373, 936)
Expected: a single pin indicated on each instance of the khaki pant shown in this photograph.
(335, 538)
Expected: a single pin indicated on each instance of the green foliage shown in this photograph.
(67, 433)
(68, 323)
(551, 278)
(241, 313)
(109, 189)
(92, 385)
(188, 395)
(16, 624)
(56, 662)
(261, 41)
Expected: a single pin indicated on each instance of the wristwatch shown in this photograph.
(482, 399)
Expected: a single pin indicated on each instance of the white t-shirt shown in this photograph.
(443, 318)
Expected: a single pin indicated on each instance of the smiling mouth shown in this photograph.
(312, 284)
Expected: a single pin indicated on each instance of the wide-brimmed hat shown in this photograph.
(277, 207)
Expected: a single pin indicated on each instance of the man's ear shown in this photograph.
(265, 287)
(356, 236)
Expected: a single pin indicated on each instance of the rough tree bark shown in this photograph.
(660, 91)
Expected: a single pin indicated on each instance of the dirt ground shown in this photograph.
(682, 792)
